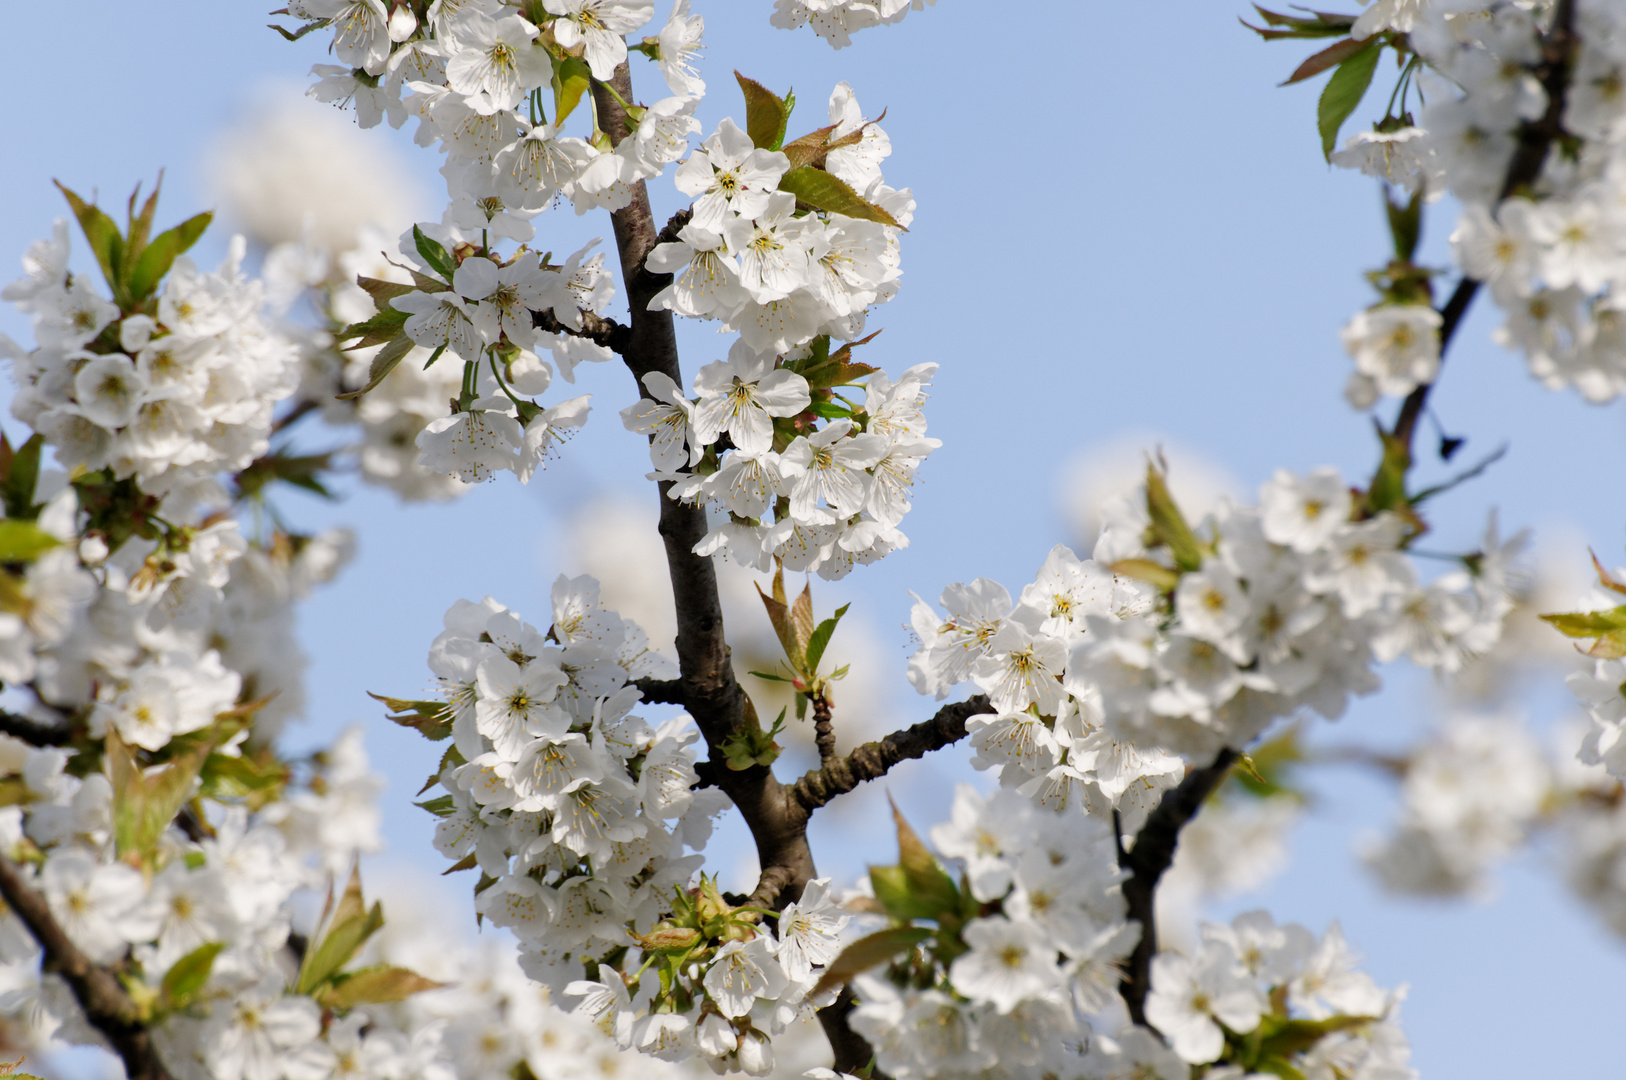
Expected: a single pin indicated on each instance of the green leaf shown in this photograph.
(869, 951)
(1609, 627)
(1284, 1037)
(243, 776)
(1153, 573)
(1269, 768)
(384, 362)
(1604, 577)
(779, 614)
(23, 541)
(1331, 56)
(748, 745)
(766, 114)
(823, 369)
(431, 719)
(768, 676)
(302, 470)
(1169, 524)
(801, 623)
(158, 256)
(104, 238)
(374, 985)
(383, 327)
(349, 927)
(19, 473)
(829, 410)
(820, 638)
(301, 32)
(444, 806)
(1405, 224)
(1344, 92)
(434, 254)
(188, 975)
(819, 190)
(1388, 488)
(927, 880)
(140, 227)
(145, 801)
(571, 78)
(891, 885)
(1323, 25)
(382, 291)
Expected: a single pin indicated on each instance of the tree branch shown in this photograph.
(595, 328)
(34, 732)
(874, 759)
(661, 691)
(1536, 138)
(1152, 854)
(106, 1005)
(824, 731)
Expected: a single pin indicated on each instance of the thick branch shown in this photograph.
(34, 732)
(661, 691)
(873, 759)
(595, 328)
(106, 1005)
(708, 688)
(774, 881)
(1152, 854)
(851, 1049)
(1536, 138)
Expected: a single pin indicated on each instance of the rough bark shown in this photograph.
(874, 759)
(707, 685)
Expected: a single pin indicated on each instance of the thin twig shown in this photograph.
(1536, 138)
(104, 1001)
(303, 408)
(824, 731)
(1151, 855)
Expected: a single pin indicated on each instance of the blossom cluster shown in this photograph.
(1019, 981)
(1552, 253)
(787, 266)
(394, 413)
(171, 393)
(220, 896)
(1274, 982)
(1023, 978)
(1104, 669)
(837, 20)
(1469, 799)
(815, 499)
(578, 814)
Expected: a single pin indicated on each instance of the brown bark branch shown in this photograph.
(1151, 855)
(874, 759)
(34, 732)
(1536, 138)
(595, 328)
(824, 731)
(661, 691)
(777, 820)
(106, 1005)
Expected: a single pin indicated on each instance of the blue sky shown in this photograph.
(1125, 234)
